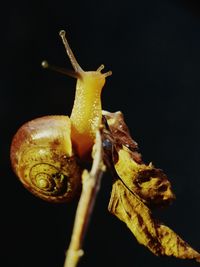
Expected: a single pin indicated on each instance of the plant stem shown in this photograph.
(90, 187)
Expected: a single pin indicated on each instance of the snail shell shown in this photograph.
(42, 157)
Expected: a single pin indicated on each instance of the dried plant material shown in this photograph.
(62, 145)
(136, 188)
(90, 187)
(160, 239)
(150, 184)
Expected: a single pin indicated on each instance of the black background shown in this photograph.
(153, 49)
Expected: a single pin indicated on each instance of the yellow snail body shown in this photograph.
(45, 152)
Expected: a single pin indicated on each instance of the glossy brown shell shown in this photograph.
(42, 157)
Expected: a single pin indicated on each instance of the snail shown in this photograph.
(46, 152)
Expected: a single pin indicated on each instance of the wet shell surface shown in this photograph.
(43, 159)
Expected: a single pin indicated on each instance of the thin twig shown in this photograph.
(91, 184)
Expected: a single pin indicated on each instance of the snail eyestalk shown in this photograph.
(70, 54)
(45, 64)
(70, 73)
(86, 115)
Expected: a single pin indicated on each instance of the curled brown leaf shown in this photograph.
(160, 239)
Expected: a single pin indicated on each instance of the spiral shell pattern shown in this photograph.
(42, 157)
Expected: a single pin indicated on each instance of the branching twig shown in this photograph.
(90, 187)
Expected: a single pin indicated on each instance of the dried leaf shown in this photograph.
(160, 239)
(149, 183)
(136, 188)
